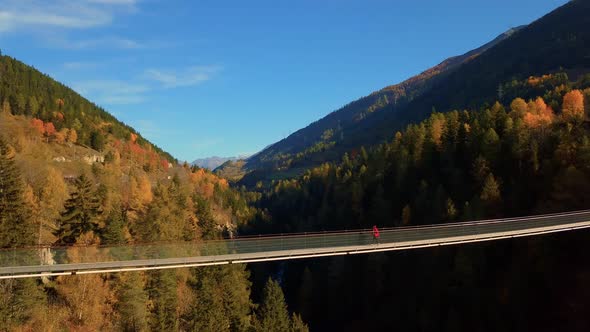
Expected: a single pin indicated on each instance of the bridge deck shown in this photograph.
(35, 262)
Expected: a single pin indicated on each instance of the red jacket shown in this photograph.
(375, 232)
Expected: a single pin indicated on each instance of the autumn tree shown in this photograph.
(60, 136)
(164, 218)
(52, 192)
(573, 106)
(88, 297)
(72, 136)
(538, 114)
(49, 130)
(6, 107)
(519, 107)
(38, 125)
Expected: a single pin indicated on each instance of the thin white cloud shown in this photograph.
(104, 63)
(116, 92)
(188, 77)
(112, 92)
(81, 14)
(123, 99)
(148, 128)
(105, 42)
(80, 65)
(110, 85)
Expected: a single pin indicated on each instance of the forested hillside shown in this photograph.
(554, 43)
(72, 175)
(26, 91)
(513, 159)
(528, 156)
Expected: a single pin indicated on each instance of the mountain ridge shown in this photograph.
(211, 163)
(556, 42)
(401, 93)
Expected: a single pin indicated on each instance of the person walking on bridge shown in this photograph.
(375, 234)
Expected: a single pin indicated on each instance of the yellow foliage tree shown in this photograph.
(88, 297)
(519, 107)
(72, 136)
(573, 106)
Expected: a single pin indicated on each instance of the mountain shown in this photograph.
(54, 135)
(212, 163)
(28, 92)
(71, 174)
(559, 41)
(396, 95)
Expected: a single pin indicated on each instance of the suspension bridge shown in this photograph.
(55, 261)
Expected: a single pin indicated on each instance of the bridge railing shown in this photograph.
(285, 242)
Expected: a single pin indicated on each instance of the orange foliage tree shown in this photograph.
(38, 125)
(538, 114)
(60, 136)
(49, 130)
(573, 105)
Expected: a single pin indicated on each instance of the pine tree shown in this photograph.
(297, 324)
(207, 312)
(222, 301)
(97, 141)
(113, 230)
(272, 314)
(162, 293)
(491, 197)
(491, 190)
(81, 212)
(16, 228)
(131, 304)
(451, 210)
(205, 217)
(19, 299)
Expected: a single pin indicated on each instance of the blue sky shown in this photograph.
(202, 78)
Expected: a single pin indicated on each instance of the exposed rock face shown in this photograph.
(93, 159)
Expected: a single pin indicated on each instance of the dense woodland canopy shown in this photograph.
(528, 157)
